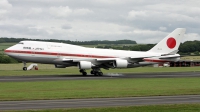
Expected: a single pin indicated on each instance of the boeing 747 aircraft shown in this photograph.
(66, 55)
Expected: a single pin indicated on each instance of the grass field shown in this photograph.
(154, 108)
(191, 58)
(45, 69)
(5, 45)
(98, 88)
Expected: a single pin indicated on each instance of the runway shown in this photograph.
(91, 77)
(98, 102)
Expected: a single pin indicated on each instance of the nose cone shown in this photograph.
(6, 51)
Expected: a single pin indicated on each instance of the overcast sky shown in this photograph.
(145, 21)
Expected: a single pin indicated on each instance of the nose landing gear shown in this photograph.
(24, 68)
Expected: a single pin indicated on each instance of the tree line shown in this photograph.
(7, 59)
(186, 48)
(189, 47)
(93, 42)
(137, 47)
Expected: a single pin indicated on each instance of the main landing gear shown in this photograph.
(24, 68)
(83, 72)
(95, 72)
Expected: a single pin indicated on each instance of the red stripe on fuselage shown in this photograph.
(56, 54)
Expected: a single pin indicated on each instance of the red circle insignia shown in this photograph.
(171, 42)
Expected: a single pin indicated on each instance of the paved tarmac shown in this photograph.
(91, 77)
(98, 102)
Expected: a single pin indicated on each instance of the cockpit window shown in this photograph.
(20, 43)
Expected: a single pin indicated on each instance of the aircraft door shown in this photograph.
(33, 52)
(58, 54)
(49, 46)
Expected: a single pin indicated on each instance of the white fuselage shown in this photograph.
(52, 53)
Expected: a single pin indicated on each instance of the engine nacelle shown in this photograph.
(119, 63)
(85, 65)
(60, 66)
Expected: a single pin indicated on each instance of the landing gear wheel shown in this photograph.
(92, 72)
(96, 74)
(84, 73)
(24, 68)
(81, 70)
(100, 73)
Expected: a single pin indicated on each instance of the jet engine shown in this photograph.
(119, 63)
(85, 65)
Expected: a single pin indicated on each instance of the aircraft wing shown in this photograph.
(107, 63)
(102, 60)
(135, 59)
(63, 60)
(105, 59)
(139, 59)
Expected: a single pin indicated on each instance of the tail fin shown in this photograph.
(170, 43)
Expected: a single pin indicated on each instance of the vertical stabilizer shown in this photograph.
(170, 43)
